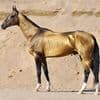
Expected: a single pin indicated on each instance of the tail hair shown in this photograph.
(96, 57)
(96, 53)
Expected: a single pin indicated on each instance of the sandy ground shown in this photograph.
(17, 68)
(27, 94)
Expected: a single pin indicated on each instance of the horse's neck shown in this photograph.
(29, 29)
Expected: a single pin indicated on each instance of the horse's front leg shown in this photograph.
(45, 69)
(38, 69)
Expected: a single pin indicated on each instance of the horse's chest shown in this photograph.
(35, 45)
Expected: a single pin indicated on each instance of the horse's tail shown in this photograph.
(96, 59)
(96, 53)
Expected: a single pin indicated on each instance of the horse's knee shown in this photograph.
(39, 76)
(46, 73)
(86, 72)
(45, 70)
(38, 72)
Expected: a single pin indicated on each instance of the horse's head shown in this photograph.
(12, 19)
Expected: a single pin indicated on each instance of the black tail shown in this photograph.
(96, 53)
(95, 67)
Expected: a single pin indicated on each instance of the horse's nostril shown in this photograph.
(3, 26)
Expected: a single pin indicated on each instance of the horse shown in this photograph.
(45, 43)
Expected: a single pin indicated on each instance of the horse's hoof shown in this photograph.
(48, 90)
(48, 87)
(80, 92)
(36, 90)
(37, 87)
(96, 93)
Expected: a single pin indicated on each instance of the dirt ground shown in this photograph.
(27, 94)
(17, 68)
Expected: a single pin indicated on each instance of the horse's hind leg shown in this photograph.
(96, 77)
(95, 68)
(86, 76)
(45, 68)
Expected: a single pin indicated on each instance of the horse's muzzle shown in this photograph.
(3, 26)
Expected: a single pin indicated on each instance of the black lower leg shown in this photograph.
(96, 79)
(86, 75)
(96, 74)
(45, 68)
(38, 68)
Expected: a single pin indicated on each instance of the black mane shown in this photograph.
(41, 28)
(30, 21)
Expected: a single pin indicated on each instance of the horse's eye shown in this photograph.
(12, 16)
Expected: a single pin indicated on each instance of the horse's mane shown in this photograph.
(35, 23)
(30, 21)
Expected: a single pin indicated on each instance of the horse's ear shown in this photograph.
(14, 8)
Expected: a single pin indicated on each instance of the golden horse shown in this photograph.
(44, 43)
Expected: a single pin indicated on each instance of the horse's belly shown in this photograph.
(57, 46)
(56, 52)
